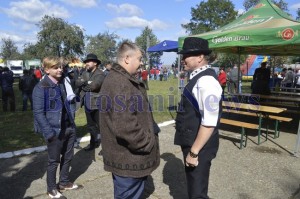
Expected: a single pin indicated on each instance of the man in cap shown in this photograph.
(89, 84)
(198, 116)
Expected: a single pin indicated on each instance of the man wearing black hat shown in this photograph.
(198, 116)
(90, 83)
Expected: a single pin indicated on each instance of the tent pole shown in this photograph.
(273, 71)
(296, 151)
(239, 71)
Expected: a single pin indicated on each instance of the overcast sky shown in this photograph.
(126, 18)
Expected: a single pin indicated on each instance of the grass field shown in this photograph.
(16, 129)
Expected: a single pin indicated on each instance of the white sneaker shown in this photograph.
(69, 186)
(55, 194)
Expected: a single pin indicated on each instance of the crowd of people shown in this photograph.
(127, 132)
(26, 84)
(262, 79)
(119, 118)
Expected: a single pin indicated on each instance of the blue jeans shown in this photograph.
(26, 95)
(128, 188)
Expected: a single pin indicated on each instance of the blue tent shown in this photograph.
(165, 46)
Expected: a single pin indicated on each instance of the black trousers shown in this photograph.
(8, 96)
(92, 118)
(198, 177)
(60, 151)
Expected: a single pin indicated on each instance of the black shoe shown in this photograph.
(97, 143)
(89, 148)
(55, 194)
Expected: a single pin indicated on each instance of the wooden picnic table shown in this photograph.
(253, 107)
(261, 110)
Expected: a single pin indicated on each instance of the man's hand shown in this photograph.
(51, 139)
(190, 161)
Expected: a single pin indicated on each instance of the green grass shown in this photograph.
(16, 129)
(162, 95)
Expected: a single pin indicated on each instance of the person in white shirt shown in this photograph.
(198, 116)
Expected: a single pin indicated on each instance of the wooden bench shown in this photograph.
(281, 104)
(285, 88)
(273, 117)
(243, 125)
(284, 93)
(279, 119)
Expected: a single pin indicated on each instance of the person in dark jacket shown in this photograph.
(129, 134)
(198, 116)
(107, 68)
(53, 118)
(8, 95)
(261, 79)
(89, 84)
(26, 85)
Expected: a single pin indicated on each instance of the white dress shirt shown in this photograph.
(207, 91)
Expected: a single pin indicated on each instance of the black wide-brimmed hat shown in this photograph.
(195, 45)
(92, 57)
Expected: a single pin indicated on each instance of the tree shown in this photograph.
(59, 38)
(9, 50)
(141, 41)
(210, 15)
(30, 51)
(280, 3)
(228, 59)
(103, 45)
(278, 61)
(298, 14)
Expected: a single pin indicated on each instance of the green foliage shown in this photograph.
(9, 50)
(59, 38)
(30, 51)
(298, 14)
(278, 60)
(210, 15)
(280, 3)
(103, 45)
(228, 60)
(141, 41)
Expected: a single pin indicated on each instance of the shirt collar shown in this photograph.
(198, 70)
(53, 79)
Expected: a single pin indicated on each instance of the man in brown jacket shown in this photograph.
(129, 137)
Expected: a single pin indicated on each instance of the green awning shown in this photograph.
(264, 30)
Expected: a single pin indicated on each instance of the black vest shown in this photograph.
(188, 119)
